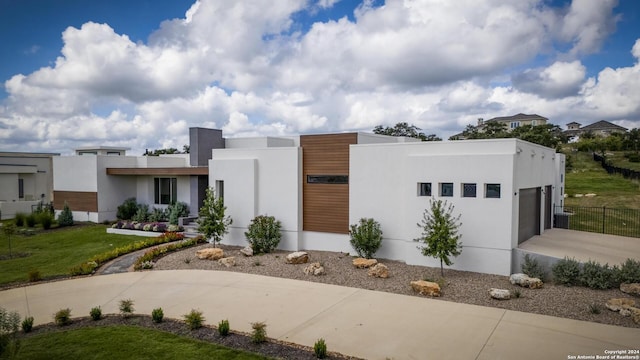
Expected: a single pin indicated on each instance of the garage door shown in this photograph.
(529, 214)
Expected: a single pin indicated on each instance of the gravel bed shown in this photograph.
(459, 286)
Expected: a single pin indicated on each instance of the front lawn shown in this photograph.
(54, 252)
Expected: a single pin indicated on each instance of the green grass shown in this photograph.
(53, 253)
(616, 158)
(123, 342)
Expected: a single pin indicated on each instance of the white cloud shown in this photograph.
(587, 24)
(561, 79)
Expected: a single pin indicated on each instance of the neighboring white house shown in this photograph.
(317, 185)
(26, 179)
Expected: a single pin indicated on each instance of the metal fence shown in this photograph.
(626, 173)
(622, 222)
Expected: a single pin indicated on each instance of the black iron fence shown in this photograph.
(623, 222)
(626, 173)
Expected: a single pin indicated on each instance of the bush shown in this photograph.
(66, 216)
(194, 319)
(142, 213)
(223, 327)
(366, 237)
(45, 219)
(126, 307)
(597, 276)
(263, 234)
(320, 349)
(634, 158)
(128, 209)
(176, 211)
(96, 313)
(9, 323)
(20, 218)
(157, 215)
(157, 315)
(259, 334)
(566, 272)
(30, 220)
(532, 268)
(62, 317)
(34, 275)
(27, 324)
(629, 272)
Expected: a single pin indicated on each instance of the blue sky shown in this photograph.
(139, 73)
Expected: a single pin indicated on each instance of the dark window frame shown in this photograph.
(443, 193)
(491, 194)
(160, 194)
(424, 189)
(327, 179)
(471, 187)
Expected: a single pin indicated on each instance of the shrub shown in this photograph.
(223, 327)
(62, 317)
(263, 234)
(176, 211)
(566, 271)
(127, 210)
(66, 216)
(634, 158)
(157, 215)
(366, 237)
(594, 308)
(320, 349)
(30, 220)
(629, 272)
(20, 218)
(96, 313)
(45, 219)
(27, 324)
(159, 227)
(259, 333)
(142, 213)
(84, 269)
(532, 268)
(157, 315)
(517, 293)
(194, 319)
(126, 307)
(596, 276)
(34, 275)
(9, 323)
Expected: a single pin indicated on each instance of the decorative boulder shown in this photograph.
(426, 288)
(247, 251)
(379, 271)
(525, 281)
(210, 254)
(228, 261)
(619, 304)
(631, 289)
(362, 263)
(500, 294)
(314, 269)
(298, 257)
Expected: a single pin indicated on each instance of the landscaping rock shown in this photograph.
(619, 304)
(298, 257)
(589, 195)
(210, 254)
(525, 281)
(314, 269)
(632, 289)
(500, 294)
(248, 251)
(362, 263)
(426, 288)
(379, 271)
(635, 315)
(228, 261)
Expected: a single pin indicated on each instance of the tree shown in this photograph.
(213, 223)
(404, 129)
(440, 233)
(548, 135)
(9, 228)
(66, 216)
(158, 152)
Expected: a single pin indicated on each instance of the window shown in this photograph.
(446, 189)
(468, 190)
(327, 179)
(88, 153)
(533, 123)
(113, 153)
(165, 190)
(220, 188)
(515, 124)
(21, 188)
(424, 189)
(561, 178)
(492, 191)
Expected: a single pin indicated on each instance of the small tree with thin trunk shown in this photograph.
(9, 228)
(440, 233)
(213, 223)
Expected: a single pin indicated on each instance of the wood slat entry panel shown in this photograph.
(77, 200)
(325, 207)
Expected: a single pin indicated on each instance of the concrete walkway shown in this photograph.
(362, 323)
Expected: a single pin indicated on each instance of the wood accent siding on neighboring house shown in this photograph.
(77, 200)
(325, 207)
(200, 170)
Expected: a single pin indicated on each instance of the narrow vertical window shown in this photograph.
(220, 189)
(21, 188)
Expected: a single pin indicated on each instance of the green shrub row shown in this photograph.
(130, 209)
(43, 218)
(160, 251)
(594, 275)
(97, 260)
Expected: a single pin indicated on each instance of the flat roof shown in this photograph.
(192, 170)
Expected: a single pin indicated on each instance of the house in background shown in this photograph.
(510, 122)
(95, 181)
(26, 180)
(599, 128)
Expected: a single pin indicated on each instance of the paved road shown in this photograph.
(363, 323)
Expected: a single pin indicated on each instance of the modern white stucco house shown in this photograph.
(317, 185)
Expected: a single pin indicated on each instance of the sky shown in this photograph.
(139, 73)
